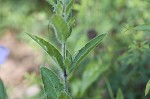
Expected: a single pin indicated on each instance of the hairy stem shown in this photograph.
(65, 72)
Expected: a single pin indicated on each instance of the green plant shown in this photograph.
(147, 88)
(56, 85)
(3, 94)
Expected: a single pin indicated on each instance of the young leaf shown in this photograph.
(50, 49)
(64, 95)
(60, 27)
(71, 23)
(2, 91)
(147, 88)
(85, 50)
(69, 6)
(52, 85)
(119, 94)
(51, 2)
(59, 9)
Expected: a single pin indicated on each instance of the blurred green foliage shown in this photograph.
(123, 58)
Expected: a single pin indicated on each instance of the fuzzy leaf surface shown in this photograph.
(50, 49)
(64, 95)
(60, 27)
(51, 2)
(52, 85)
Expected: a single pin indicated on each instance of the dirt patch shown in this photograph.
(22, 59)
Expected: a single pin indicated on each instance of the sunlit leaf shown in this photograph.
(119, 94)
(50, 49)
(64, 95)
(60, 27)
(147, 88)
(85, 50)
(52, 85)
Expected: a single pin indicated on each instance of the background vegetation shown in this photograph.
(120, 62)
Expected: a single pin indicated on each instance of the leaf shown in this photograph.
(52, 85)
(52, 2)
(109, 89)
(85, 50)
(71, 23)
(64, 95)
(119, 94)
(50, 49)
(91, 73)
(143, 27)
(59, 9)
(60, 27)
(147, 88)
(3, 94)
(69, 6)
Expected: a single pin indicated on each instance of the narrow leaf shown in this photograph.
(143, 27)
(85, 50)
(69, 6)
(109, 89)
(52, 85)
(50, 49)
(60, 27)
(147, 88)
(71, 23)
(51, 2)
(119, 94)
(2, 91)
(64, 95)
(59, 9)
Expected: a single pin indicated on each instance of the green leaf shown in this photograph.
(109, 89)
(68, 60)
(119, 94)
(71, 23)
(85, 50)
(60, 27)
(143, 27)
(50, 49)
(52, 85)
(59, 9)
(147, 88)
(52, 2)
(3, 94)
(91, 73)
(64, 95)
(69, 7)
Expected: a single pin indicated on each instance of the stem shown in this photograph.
(65, 72)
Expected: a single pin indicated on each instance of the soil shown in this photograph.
(22, 59)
